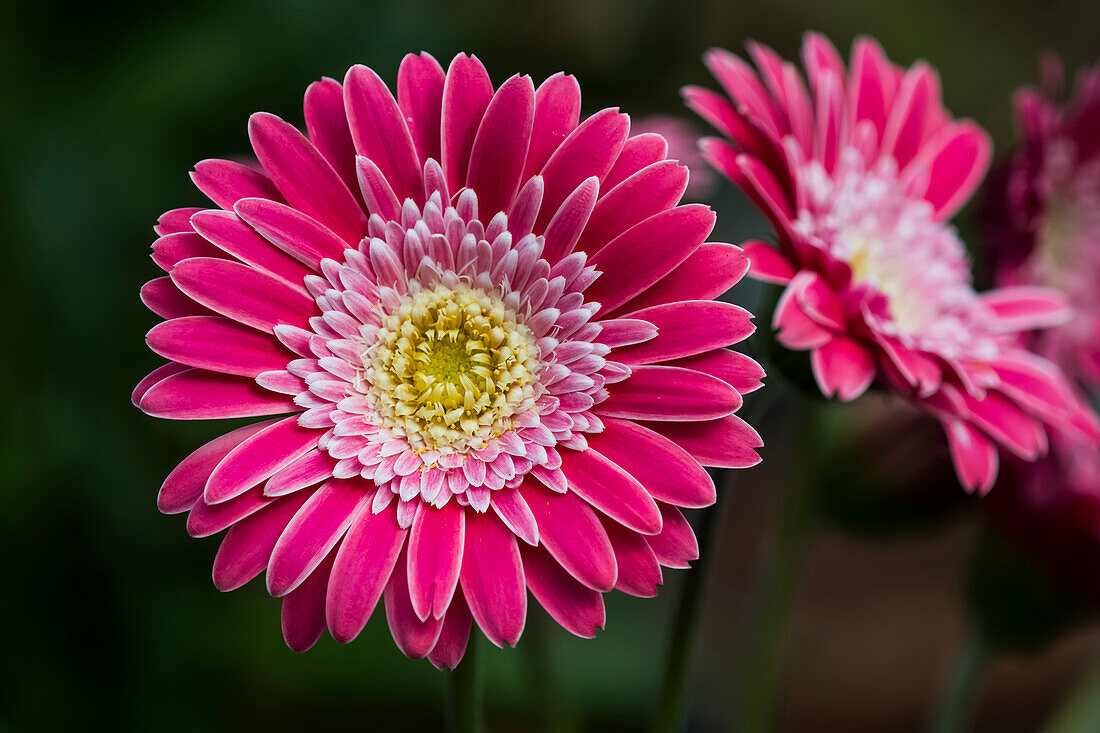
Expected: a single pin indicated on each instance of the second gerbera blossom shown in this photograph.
(859, 172)
(490, 327)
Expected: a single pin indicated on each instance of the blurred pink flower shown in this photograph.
(483, 323)
(859, 175)
(683, 145)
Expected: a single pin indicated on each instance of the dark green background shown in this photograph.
(109, 617)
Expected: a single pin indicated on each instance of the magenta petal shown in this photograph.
(687, 328)
(667, 471)
(611, 489)
(590, 150)
(196, 394)
(327, 125)
(766, 264)
(451, 645)
(557, 111)
(175, 220)
(1008, 425)
(218, 344)
(258, 458)
(572, 533)
(706, 274)
(649, 191)
(492, 579)
(578, 609)
(207, 519)
(675, 546)
(379, 131)
(466, 93)
(956, 162)
(974, 456)
(645, 253)
(246, 549)
(639, 571)
(638, 152)
(669, 393)
(185, 483)
(170, 249)
(226, 230)
(303, 613)
(227, 182)
(795, 329)
(435, 557)
(300, 236)
(362, 570)
(500, 147)
(161, 296)
(414, 636)
(842, 368)
(732, 367)
(510, 506)
(308, 469)
(725, 443)
(420, 82)
(243, 293)
(313, 532)
(305, 178)
(159, 374)
(1023, 308)
(569, 221)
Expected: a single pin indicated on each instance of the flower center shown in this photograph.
(449, 367)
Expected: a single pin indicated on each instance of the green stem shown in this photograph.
(463, 694)
(956, 705)
(670, 710)
(767, 640)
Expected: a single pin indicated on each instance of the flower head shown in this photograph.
(859, 172)
(489, 330)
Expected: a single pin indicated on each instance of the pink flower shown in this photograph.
(489, 331)
(859, 173)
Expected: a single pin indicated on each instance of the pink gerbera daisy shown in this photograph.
(859, 173)
(489, 333)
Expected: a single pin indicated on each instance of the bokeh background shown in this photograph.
(109, 613)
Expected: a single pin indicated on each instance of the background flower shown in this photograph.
(493, 326)
(859, 172)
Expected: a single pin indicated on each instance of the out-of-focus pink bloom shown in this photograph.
(859, 172)
(683, 145)
(488, 329)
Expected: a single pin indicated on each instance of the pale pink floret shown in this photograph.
(305, 296)
(859, 172)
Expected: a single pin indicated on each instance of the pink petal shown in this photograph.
(243, 293)
(794, 328)
(625, 331)
(258, 458)
(327, 125)
(308, 469)
(733, 368)
(1024, 307)
(196, 394)
(300, 236)
(687, 328)
(578, 609)
(639, 571)
(161, 296)
(974, 456)
(766, 264)
(500, 147)
(492, 579)
(217, 344)
(669, 393)
(572, 533)
(675, 546)
(420, 95)
(638, 152)
(650, 191)
(415, 637)
(228, 232)
(303, 613)
(646, 252)
(185, 483)
(313, 532)
(435, 557)
(175, 220)
(466, 93)
(246, 549)
(207, 519)
(843, 368)
(590, 150)
(567, 224)
(305, 178)
(170, 249)
(953, 165)
(380, 133)
(510, 506)
(667, 471)
(226, 182)
(557, 111)
(160, 373)
(451, 645)
(611, 489)
(707, 273)
(362, 570)
(725, 443)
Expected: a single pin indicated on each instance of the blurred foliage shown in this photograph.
(110, 612)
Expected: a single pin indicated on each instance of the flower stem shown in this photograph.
(670, 710)
(767, 637)
(463, 695)
(956, 704)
